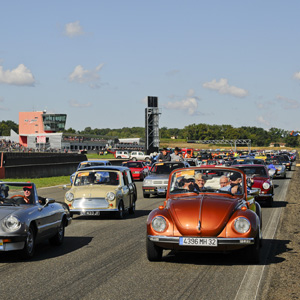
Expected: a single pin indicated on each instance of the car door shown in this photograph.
(125, 191)
(47, 221)
(131, 186)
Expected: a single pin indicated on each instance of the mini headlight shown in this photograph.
(266, 185)
(69, 196)
(241, 225)
(110, 196)
(12, 223)
(159, 224)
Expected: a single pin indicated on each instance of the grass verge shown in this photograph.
(42, 182)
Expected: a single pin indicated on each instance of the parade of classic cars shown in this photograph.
(97, 187)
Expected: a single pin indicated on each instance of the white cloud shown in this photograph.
(90, 77)
(224, 88)
(297, 75)
(189, 104)
(73, 29)
(18, 76)
(261, 120)
(74, 103)
(288, 103)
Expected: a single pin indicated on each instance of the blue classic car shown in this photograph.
(27, 219)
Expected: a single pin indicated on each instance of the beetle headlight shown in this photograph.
(110, 196)
(159, 224)
(241, 225)
(69, 196)
(12, 223)
(266, 185)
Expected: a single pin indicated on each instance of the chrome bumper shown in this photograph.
(221, 241)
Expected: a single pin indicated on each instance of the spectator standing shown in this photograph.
(176, 156)
(164, 155)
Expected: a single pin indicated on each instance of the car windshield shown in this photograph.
(133, 164)
(273, 161)
(96, 178)
(90, 164)
(205, 180)
(165, 168)
(255, 171)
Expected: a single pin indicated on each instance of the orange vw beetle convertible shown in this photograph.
(207, 209)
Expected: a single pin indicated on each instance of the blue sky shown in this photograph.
(215, 62)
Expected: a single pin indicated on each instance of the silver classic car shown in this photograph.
(27, 219)
(156, 183)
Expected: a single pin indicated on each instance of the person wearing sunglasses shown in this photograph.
(28, 194)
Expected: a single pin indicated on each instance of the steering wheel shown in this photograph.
(25, 198)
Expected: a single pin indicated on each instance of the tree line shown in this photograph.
(259, 137)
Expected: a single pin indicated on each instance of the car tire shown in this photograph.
(146, 195)
(58, 239)
(29, 248)
(118, 157)
(132, 208)
(252, 252)
(154, 253)
(120, 212)
(134, 158)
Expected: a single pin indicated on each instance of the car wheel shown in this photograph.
(252, 252)
(29, 247)
(134, 158)
(59, 236)
(132, 208)
(146, 195)
(120, 212)
(154, 253)
(118, 157)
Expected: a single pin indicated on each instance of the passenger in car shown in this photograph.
(199, 182)
(224, 181)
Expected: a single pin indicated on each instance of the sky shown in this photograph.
(214, 62)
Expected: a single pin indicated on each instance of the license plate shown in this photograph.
(203, 242)
(136, 172)
(90, 213)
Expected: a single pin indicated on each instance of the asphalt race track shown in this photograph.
(105, 258)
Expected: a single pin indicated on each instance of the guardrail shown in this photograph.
(37, 165)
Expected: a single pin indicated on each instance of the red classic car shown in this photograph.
(199, 215)
(260, 179)
(138, 169)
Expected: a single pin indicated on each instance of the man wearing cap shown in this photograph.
(164, 155)
(28, 194)
(176, 156)
(235, 184)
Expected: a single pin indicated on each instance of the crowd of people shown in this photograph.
(9, 146)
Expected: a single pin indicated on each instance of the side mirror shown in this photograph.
(49, 201)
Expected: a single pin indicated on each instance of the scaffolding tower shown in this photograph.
(152, 126)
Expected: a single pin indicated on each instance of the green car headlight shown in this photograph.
(110, 196)
(69, 196)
